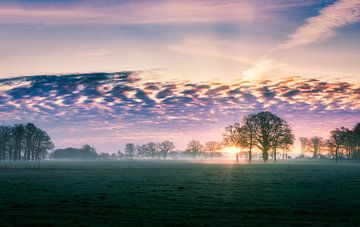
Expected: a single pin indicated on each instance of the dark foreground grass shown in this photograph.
(177, 193)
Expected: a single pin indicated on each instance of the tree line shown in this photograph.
(343, 143)
(24, 143)
(262, 132)
(165, 149)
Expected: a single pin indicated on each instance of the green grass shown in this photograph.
(179, 193)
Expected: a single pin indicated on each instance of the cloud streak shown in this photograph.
(322, 27)
(315, 30)
(142, 12)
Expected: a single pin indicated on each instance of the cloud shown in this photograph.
(322, 27)
(141, 12)
(119, 107)
(259, 68)
(315, 29)
(93, 53)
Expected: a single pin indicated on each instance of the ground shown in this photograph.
(179, 193)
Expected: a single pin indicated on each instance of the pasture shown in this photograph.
(166, 193)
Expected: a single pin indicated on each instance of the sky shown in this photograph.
(299, 59)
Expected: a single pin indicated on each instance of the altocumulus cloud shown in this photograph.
(126, 106)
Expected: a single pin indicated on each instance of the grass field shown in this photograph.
(179, 193)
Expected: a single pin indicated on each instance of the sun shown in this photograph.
(230, 150)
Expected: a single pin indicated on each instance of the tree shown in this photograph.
(120, 154)
(287, 142)
(89, 151)
(165, 147)
(248, 133)
(141, 150)
(194, 147)
(316, 144)
(130, 150)
(356, 134)
(304, 142)
(281, 137)
(233, 137)
(152, 149)
(349, 142)
(18, 132)
(270, 132)
(5, 139)
(21, 142)
(85, 153)
(264, 130)
(212, 147)
(42, 144)
(30, 131)
(337, 140)
(104, 156)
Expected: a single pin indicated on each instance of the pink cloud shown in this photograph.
(143, 12)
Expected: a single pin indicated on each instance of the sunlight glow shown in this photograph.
(230, 150)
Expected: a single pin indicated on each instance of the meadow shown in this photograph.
(188, 193)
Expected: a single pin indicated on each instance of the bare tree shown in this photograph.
(233, 137)
(212, 147)
(248, 133)
(165, 147)
(286, 142)
(30, 131)
(356, 135)
(316, 144)
(18, 132)
(42, 144)
(141, 150)
(337, 140)
(350, 142)
(194, 147)
(21, 142)
(5, 139)
(130, 150)
(152, 149)
(304, 142)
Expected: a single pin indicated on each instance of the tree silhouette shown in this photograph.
(5, 139)
(21, 142)
(271, 133)
(194, 147)
(337, 140)
(287, 142)
(130, 150)
(30, 131)
(152, 149)
(248, 133)
(316, 144)
(304, 142)
(85, 153)
(212, 147)
(165, 147)
(43, 143)
(233, 137)
(264, 130)
(18, 137)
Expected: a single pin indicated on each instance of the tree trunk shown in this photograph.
(265, 153)
(274, 154)
(250, 153)
(336, 154)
